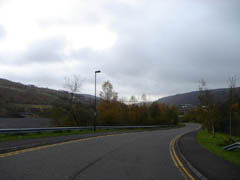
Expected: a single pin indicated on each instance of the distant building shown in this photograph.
(183, 108)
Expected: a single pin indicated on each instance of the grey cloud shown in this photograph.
(84, 53)
(176, 50)
(46, 51)
(2, 32)
(163, 47)
(41, 52)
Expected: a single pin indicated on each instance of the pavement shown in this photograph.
(138, 155)
(208, 164)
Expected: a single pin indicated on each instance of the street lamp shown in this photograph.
(95, 114)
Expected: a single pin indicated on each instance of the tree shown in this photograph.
(68, 111)
(155, 113)
(73, 84)
(207, 107)
(110, 110)
(107, 93)
(205, 96)
(144, 97)
(133, 100)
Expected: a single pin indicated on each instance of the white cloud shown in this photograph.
(28, 20)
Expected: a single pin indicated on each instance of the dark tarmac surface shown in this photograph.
(140, 155)
(208, 164)
(14, 145)
(24, 123)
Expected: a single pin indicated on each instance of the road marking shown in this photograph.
(177, 161)
(54, 145)
(174, 160)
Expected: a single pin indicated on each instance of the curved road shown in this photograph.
(139, 155)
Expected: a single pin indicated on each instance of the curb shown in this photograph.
(189, 165)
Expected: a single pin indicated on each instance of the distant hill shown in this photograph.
(220, 95)
(18, 97)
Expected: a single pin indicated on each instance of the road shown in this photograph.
(139, 155)
(24, 123)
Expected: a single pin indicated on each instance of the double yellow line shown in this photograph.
(177, 161)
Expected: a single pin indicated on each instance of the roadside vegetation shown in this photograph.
(110, 110)
(19, 100)
(216, 144)
(220, 120)
(23, 136)
(215, 115)
(69, 109)
(10, 137)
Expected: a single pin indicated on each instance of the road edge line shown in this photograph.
(183, 169)
(171, 149)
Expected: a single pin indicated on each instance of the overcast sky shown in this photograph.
(157, 47)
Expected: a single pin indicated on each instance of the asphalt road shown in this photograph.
(140, 155)
(24, 123)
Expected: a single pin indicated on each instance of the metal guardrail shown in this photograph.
(232, 146)
(54, 129)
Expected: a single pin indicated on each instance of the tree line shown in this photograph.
(221, 116)
(114, 112)
(111, 110)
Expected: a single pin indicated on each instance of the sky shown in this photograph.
(156, 47)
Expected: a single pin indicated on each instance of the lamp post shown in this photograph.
(95, 114)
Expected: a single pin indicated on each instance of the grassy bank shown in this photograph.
(10, 137)
(215, 145)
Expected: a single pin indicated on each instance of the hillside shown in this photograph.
(220, 95)
(17, 97)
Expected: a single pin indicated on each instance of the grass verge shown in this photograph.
(215, 145)
(11, 137)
